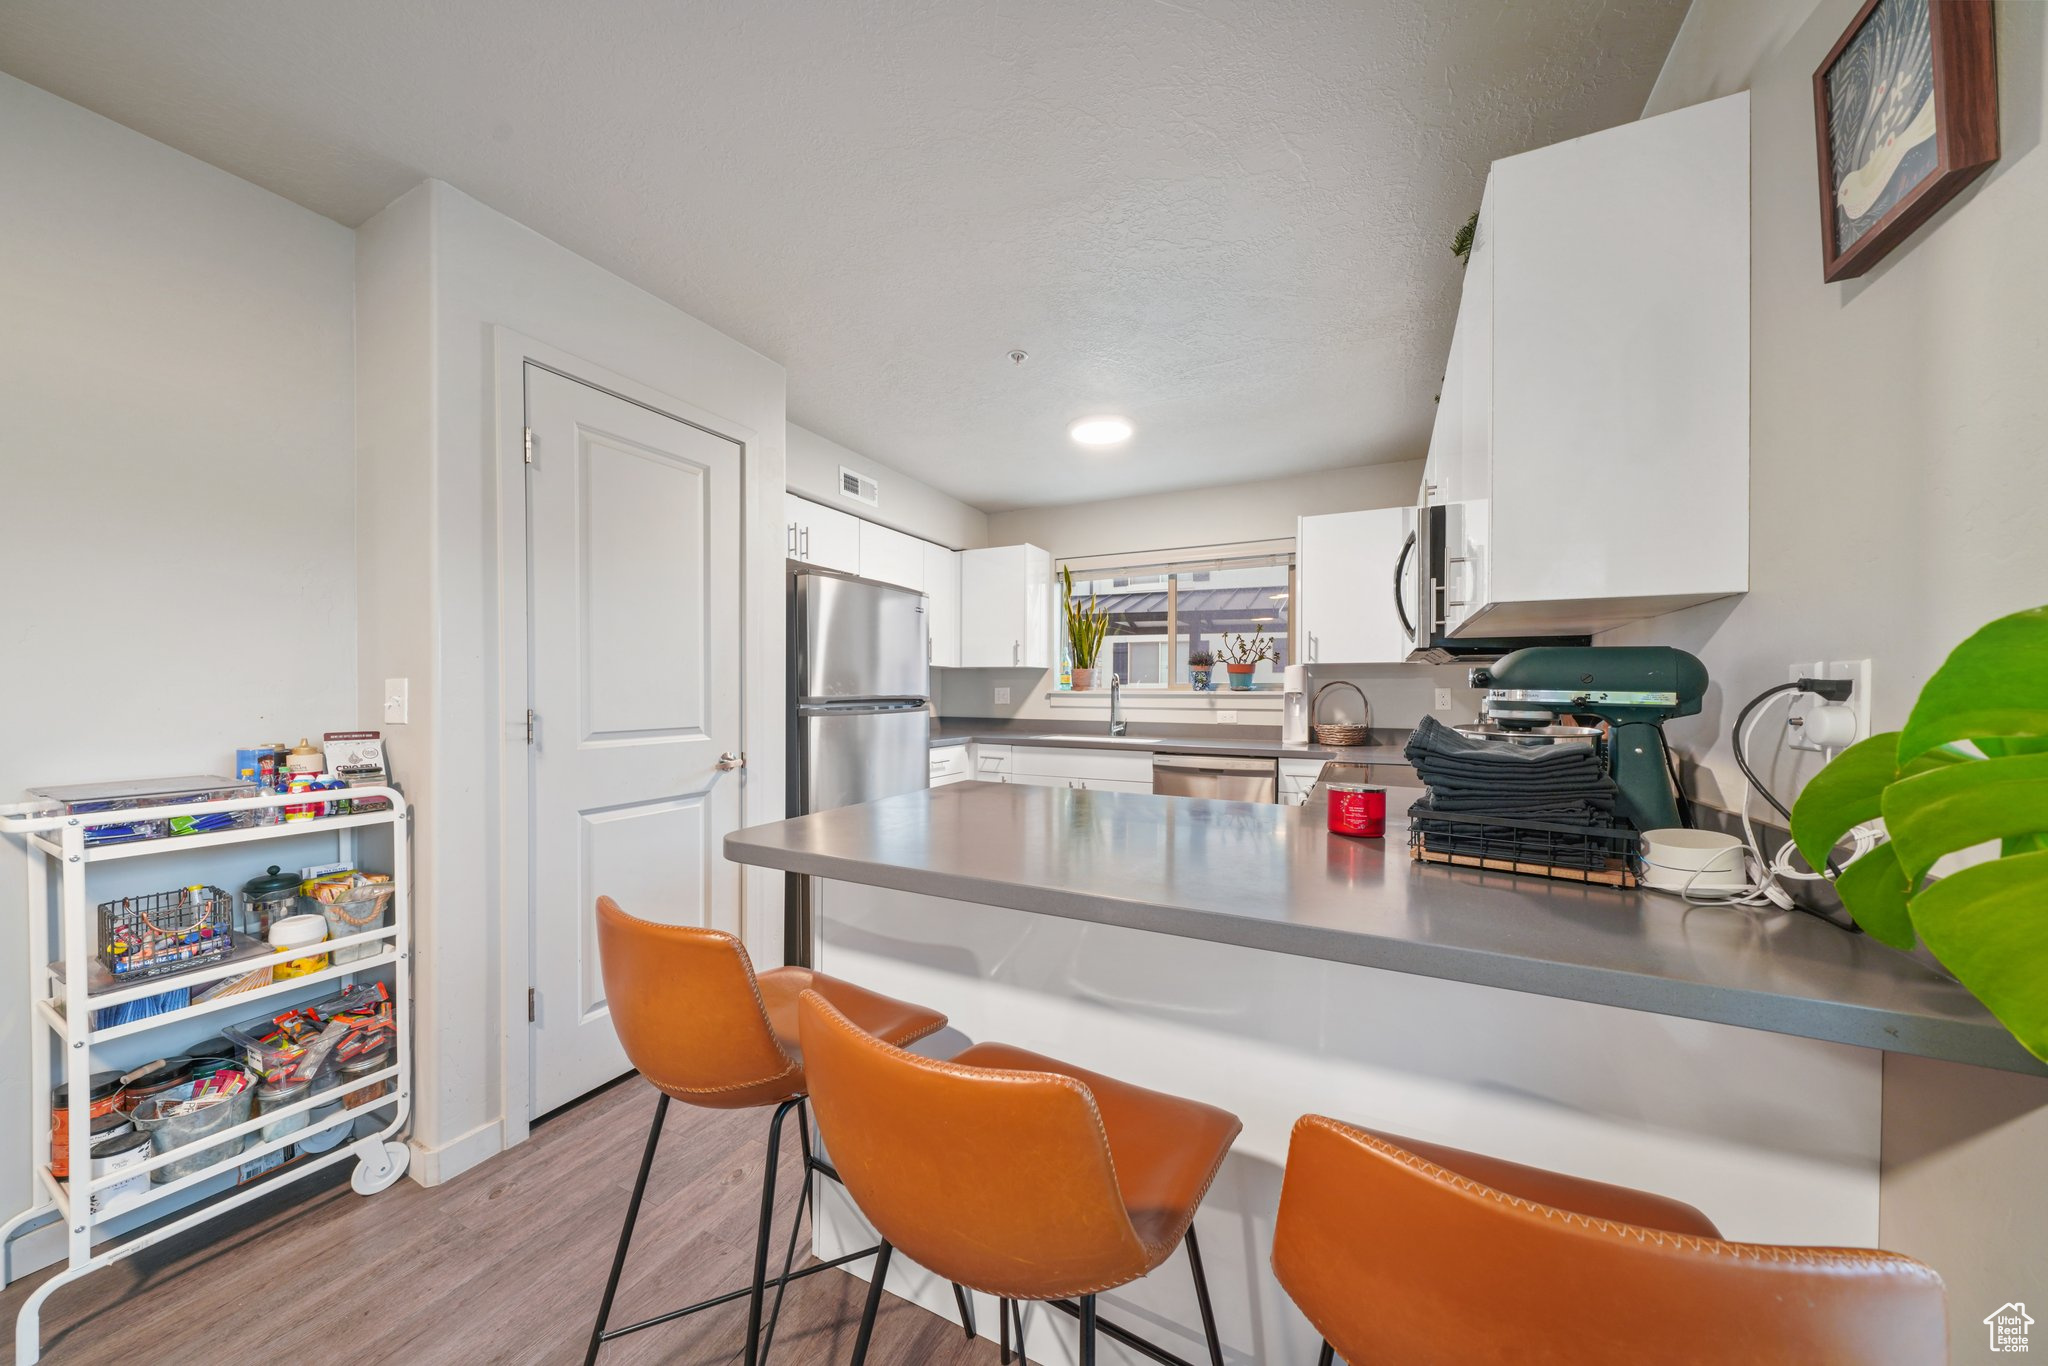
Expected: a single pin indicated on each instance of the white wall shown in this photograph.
(1899, 421)
(907, 504)
(1898, 426)
(175, 379)
(1399, 693)
(439, 272)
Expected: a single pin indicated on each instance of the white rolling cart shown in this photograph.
(63, 997)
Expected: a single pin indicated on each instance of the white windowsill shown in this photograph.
(1097, 699)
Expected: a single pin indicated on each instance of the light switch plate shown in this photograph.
(1443, 699)
(1226, 718)
(1002, 697)
(397, 701)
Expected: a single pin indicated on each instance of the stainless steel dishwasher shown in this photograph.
(1209, 775)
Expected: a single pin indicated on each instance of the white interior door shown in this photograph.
(633, 558)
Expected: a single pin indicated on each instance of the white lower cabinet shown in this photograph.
(951, 764)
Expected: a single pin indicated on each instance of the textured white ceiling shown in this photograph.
(1226, 220)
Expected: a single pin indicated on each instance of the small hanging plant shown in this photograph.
(1970, 768)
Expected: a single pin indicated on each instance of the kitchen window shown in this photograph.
(1163, 605)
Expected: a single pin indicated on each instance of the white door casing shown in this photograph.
(634, 574)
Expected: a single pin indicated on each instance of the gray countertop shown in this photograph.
(1271, 877)
(1247, 743)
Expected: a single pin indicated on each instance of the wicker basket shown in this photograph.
(1344, 736)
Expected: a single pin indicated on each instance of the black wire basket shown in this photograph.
(142, 937)
(1607, 855)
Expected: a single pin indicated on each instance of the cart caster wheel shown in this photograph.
(379, 1167)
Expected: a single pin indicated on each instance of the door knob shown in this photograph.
(730, 761)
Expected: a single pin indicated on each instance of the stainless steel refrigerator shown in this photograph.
(859, 704)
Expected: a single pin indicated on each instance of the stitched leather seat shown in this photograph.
(705, 1030)
(1411, 1252)
(1165, 1150)
(1011, 1172)
(703, 1027)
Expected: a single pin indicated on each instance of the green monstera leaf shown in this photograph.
(1969, 769)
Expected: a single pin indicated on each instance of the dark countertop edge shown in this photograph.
(1979, 1045)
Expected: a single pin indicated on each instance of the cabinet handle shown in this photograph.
(805, 552)
(1016, 652)
(791, 550)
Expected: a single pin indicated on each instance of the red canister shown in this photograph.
(1358, 810)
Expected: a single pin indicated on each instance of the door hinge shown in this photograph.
(530, 720)
(529, 445)
(530, 997)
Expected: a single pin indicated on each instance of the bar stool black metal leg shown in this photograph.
(1087, 1330)
(1328, 1357)
(761, 1236)
(796, 1223)
(874, 1305)
(1003, 1319)
(966, 1309)
(1202, 1299)
(1017, 1310)
(611, 1285)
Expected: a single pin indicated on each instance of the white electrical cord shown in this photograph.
(1763, 887)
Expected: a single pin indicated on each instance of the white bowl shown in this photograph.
(1693, 861)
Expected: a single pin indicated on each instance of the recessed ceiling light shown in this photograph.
(1101, 431)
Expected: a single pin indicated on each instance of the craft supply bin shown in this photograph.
(67, 983)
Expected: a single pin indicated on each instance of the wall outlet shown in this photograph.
(1226, 718)
(397, 701)
(1002, 697)
(1857, 671)
(1443, 699)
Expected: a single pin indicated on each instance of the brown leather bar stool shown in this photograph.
(1407, 1252)
(704, 1029)
(1012, 1173)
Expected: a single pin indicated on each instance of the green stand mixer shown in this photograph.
(1634, 688)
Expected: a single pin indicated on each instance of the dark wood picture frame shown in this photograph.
(1965, 131)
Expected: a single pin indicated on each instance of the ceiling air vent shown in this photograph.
(857, 486)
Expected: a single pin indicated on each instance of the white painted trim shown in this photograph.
(510, 354)
(432, 1166)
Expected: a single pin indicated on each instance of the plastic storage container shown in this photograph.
(168, 1131)
(354, 909)
(298, 932)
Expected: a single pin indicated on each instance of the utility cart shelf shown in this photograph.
(67, 984)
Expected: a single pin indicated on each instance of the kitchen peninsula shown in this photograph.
(1239, 953)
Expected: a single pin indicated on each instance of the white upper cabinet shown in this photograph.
(1006, 608)
(1593, 432)
(822, 536)
(942, 603)
(1345, 611)
(891, 557)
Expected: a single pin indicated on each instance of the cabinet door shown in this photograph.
(831, 539)
(942, 594)
(1006, 608)
(891, 557)
(796, 515)
(1345, 580)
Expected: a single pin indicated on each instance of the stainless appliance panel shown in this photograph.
(1226, 779)
(856, 754)
(858, 639)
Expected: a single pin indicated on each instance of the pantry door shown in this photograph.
(633, 596)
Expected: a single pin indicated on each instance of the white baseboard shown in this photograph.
(432, 1166)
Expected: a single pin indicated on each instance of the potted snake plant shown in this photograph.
(1087, 624)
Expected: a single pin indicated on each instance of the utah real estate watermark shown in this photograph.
(2008, 1326)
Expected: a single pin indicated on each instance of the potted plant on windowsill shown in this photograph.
(1087, 624)
(1200, 662)
(1241, 657)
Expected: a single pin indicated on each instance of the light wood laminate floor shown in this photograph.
(503, 1264)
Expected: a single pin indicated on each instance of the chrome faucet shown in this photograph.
(1116, 705)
